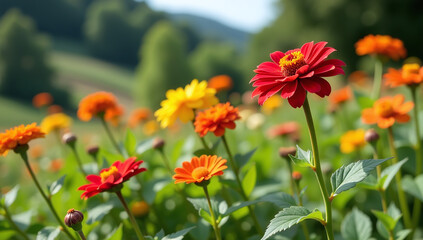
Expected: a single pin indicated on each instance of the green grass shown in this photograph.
(15, 113)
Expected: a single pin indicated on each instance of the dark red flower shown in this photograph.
(296, 72)
(111, 177)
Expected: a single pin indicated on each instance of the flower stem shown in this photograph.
(379, 175)
(47, 199)
(81, 235)
(377, 80)
(78, 159)
(131, 217)
(300, 203)
(13, 224)
(318, 170)
(110, 135)
(401, 195)
(238, 180)
(214, 225)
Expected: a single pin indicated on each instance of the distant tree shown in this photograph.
(164, 65)
(24, 67)
(210, 59)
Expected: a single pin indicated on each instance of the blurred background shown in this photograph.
(140, 49)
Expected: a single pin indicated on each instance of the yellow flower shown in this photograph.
(181, 103)
(271, 104)
(55, 122)
(150, 127)
(352, 140)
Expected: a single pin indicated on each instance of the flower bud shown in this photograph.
(69, 138)
(140, 209)
(296, 175)
(286, 151)
(371, 136)
(93, 150)
(158, 143)
(73, 219)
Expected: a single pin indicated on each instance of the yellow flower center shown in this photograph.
(111, 171)
(410, 69)
(290, 63)
(199, 173)
(384, 109)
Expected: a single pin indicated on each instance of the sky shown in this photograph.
(247, 15)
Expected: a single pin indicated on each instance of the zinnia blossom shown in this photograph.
(291, 129)
(387, 110)
(296, 72)
(138, 116)
(42, 99)
(55, 122)
(216, 119)
(200, 169)
(352, 141)
(111, 177)
(20, 135)
(220, 83)
(181, 103)
(409, 74)
(98, 104)
(382, 45)
(340, 96)
(113, 115)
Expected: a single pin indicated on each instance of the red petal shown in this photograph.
(334, 72)
(260, 90)
(302, 70)
(325, 87)
(306, 49)
(297, 100)
(310, 85)
(308, 75)
(269, 93)
(318, 58)
(276, 56)
(289, 89)
(94, 179)
(316, 50)
(323, 69)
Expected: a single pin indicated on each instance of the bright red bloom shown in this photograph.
(297, 72)
(111, 177)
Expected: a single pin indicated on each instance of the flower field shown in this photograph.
(307, 153)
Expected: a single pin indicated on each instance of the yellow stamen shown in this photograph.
(290, 63)
(199, 173)
(111, 171)
(384, 109)
(410, 69)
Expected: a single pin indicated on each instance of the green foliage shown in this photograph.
(356, 226)
(303, 158)
(48, 233)
(10, 196)
(389, 173)
(289, 217)
(413, 186)
(163, 66)
(116, 234)
(56, 186)
(249, 180)
(387, 221)
(24, 67)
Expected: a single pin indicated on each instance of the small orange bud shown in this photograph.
(140, 209)
(297, 175)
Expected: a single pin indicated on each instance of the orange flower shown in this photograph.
(409, 74)
(97, 104)
(291, 129)
(220, 83)
(381, 45)
(150, 127)
(216, 119)
(36, 151)
(54, 109)
(19, 135)
(55, 165)
(138, 115)
(340, 96)
(42, 99)
(359, 77)
(387, 110)
(200, 169)
(113, 115)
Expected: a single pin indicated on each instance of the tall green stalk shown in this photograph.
(13, 224)
(110, 135)
(318, 170)
(377, 80)
(131, 216)
(214, 224)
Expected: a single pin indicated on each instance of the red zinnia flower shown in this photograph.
(297, 72)
(216, 119)
(111, 177)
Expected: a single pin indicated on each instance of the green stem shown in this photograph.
(300, 201)
(291, 180)
(47, 199)
(318, 171)
(81, 235)
(78, 159)
(131, 217)
(401, 195)
(417, 203)
(215, 225)
(13, 224)
(166, 161)
(241, 188)
(377, 81)
(110, 135)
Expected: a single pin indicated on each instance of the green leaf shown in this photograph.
(97, 213)
(249, 180)
(201, 203)
(48, 233)
(387, 221)
(144, 146)
(242, 159)
(130, 142)
(289, 217)
(160, 234)
(389, 173)
(203, 151)
(205, 215)
(116, 234)
(303, 158)
(178, 235)
(23, 220)
(413, 186)
(280, 199)
(56, 186)
(401, 235)
(356, 226)
(230, 183)
(10, 196)
(348, 176)
(365, 102)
